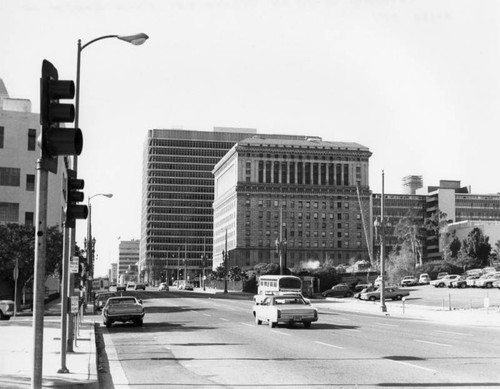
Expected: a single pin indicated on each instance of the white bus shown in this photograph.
(271, 285)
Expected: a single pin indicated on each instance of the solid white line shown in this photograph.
(453, 333)
(281, 333)
(342, 319)
(115, 367)
(415, 366)
(434, 343)
(329, 345)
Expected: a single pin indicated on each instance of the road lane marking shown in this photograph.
(453, 333)
(386, 325)
(412, 365)
(434, 343)
(328, 345)
(342, 319)
(223, 318)
(249, 325)
(281, 333)
(206, 314)
(352, 330)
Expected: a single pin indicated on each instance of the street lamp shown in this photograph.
(90, 240)
(380, 226)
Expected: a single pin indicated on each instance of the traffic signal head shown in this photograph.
(73, 197)
(55, 140)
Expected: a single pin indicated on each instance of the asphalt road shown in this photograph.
(191, 340)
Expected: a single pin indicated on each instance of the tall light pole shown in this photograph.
(90, 242)
(281, 243)
(381, 225)
(137, 39)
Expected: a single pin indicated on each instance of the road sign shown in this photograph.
(74, 304)
(74, 265)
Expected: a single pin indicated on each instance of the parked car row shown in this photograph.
(487, 280)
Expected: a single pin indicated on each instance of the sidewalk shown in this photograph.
(16, 353)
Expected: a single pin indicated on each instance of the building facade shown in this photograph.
(128, 259)
(19, 151)
(291, 201)
(178, 192)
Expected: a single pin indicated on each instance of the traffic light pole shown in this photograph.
(39, 278)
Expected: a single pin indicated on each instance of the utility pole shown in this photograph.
(383, 307)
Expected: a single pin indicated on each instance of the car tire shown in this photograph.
(307, 324)
(462, 286)
(489, 285)
(273, 324)
(441, 285)
(372, 298)
(257, 321)
(107, 323)
(138, 323)
(348, 294)
(398, 297)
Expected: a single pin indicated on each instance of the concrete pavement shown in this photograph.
(16, 353)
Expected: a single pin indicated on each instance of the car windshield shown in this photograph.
(289, 300)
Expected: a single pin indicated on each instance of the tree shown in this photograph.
(219, 273)
(236, 274)
(475, 249)
(411, 234)
(17, 243)
(435, 225)
(400, 263)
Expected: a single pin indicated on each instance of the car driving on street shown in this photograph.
(101, 298)
(123, 309)
(286, 309)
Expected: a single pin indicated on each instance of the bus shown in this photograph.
(271, 285)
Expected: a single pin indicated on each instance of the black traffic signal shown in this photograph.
(73, 197)
(57, 141)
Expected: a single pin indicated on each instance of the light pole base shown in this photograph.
(383, 308)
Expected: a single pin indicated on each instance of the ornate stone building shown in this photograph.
(297, 199)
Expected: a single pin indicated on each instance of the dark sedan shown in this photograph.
(340, 290)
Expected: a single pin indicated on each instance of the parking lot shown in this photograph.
(453, 298)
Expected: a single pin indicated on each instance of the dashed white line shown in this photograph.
(386, 325)
(453, 333)
(329, 345)
(223, 318)
(281, 333)
(249, 325)
(434, 343)
(412, 365)
(206, 314)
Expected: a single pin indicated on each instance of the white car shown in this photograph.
(487, 281)
(424, 279)
(286, 309)
(409, 281)
(445, 281)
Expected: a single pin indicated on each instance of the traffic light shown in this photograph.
(57, 141)
(73, 197)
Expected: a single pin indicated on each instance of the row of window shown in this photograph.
(298, 204)
(11, 176)
(9, 213)
(301, 215)
(31, 139)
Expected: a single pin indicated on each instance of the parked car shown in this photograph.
(441, 275)
(163, 287)
(409, 281)
(188, 286)
(487, 281)
(123, 309)
(444, 281)
(496, 284)
(286, 309)
(474, 283)
(121, 287)
(370, 288)
(471, 280)
(140, 286)
(389, 293)
(101, 298)
(6, 309)
(359, 287)
(131, 285)
(340, 290)
(424, 279)
(460, 282)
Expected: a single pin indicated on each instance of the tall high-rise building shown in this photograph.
(19, 131)
(178, 192)
(291, 201)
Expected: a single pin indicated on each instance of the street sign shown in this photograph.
(74, 304)
(74, 265)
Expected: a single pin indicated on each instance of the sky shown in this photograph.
(416, 81)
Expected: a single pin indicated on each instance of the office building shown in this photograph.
(128, 259)
(19, 131)
(178, 192)
(291, 201)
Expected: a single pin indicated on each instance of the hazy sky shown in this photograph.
(415, 81)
